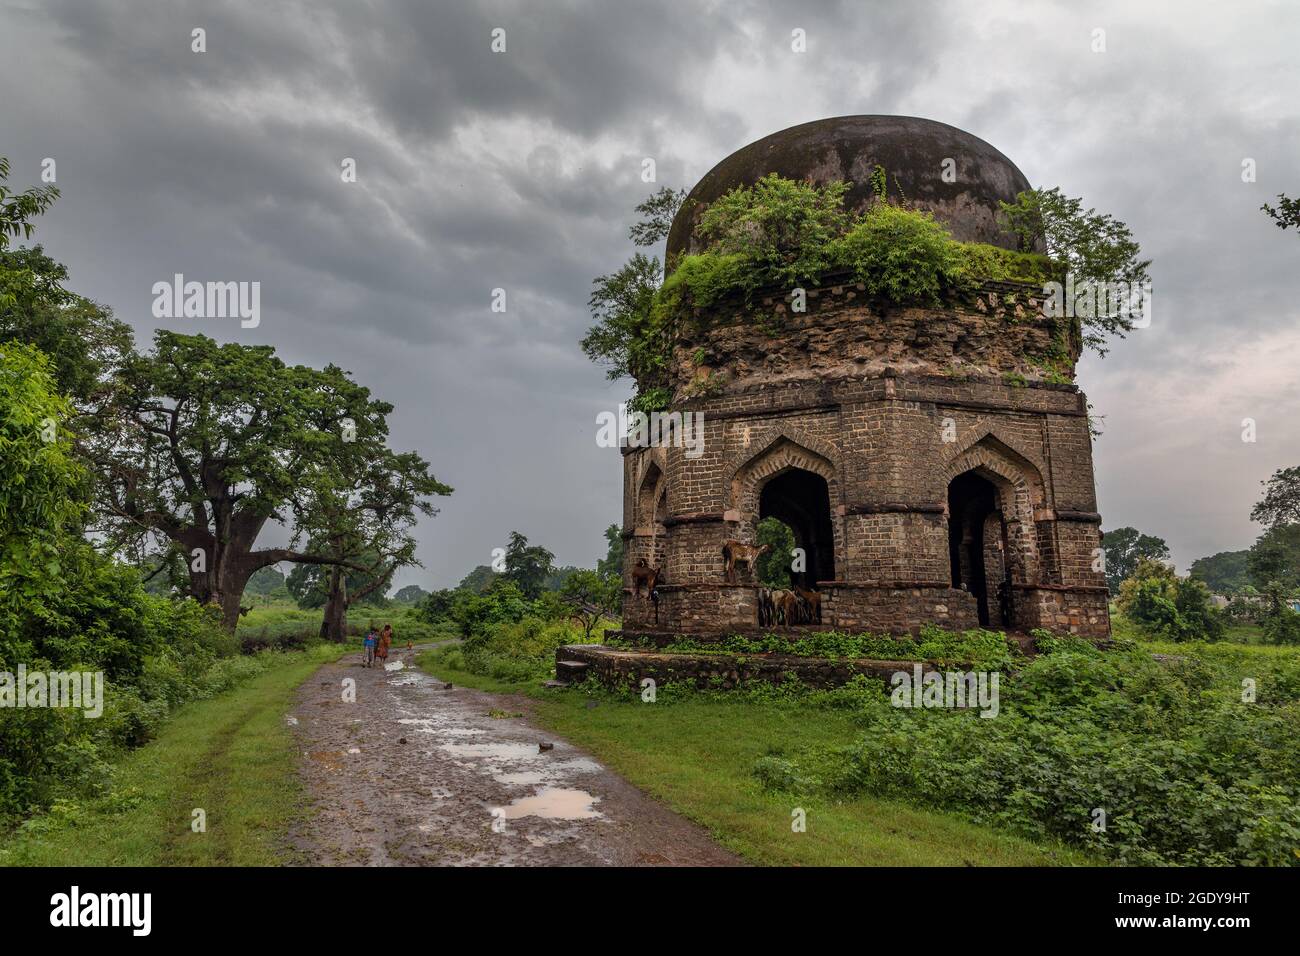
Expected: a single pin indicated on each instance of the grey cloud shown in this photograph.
(520, 170)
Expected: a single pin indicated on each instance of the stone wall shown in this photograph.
(1000, 331)
(629, 668)
(855, 398)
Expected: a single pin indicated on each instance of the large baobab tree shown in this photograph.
(211, 442)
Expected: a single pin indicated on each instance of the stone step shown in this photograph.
(571, 670)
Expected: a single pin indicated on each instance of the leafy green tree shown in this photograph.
(478, 580)
(84, 341)
(364, 518)
(1275, 557)
(627, 335)
(528, 567)
(1093, 247)
(42, 485)
(164, 572)
(212, 442)
(592, 597)
(1280, 624)
(17, 212)
(1286, 214)
(1223, 573)
(311, 585)
(774, 566)
(555, 580)
(612, 562)
(265, 580)
(477, 614)
(1281, 502)
(657, 215)
(410, 594)
(40, 478)
(1123, 548)
(437, 606)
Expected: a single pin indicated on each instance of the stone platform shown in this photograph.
(619, 666)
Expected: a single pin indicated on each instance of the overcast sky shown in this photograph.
(519, 170)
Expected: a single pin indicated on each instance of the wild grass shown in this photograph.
(231, 756)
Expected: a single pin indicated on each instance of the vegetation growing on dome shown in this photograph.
(783, 234)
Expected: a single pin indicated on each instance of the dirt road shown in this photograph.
(414, 774)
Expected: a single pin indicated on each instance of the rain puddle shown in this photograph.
(435, 725)
(395, 666)
(522, 779)
(492, 751)
(554, 803)
(291, 720)
(551, 773)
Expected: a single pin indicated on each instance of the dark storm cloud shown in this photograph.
(519, 170)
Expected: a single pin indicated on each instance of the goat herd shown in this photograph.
(776, 606)
(793, 606)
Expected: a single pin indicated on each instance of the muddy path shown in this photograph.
(413, 774)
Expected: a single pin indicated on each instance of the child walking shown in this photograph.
(371, 643)
(385, 642)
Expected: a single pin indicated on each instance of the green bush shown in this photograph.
(1155, 598)
(901, 255)
(519, 650)
(982, 262)
(1185, 770)
(1282, 626)
(776, 232)
(48, 753)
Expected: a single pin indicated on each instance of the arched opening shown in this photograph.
(801, 500)
(978, 548)
(649, 495)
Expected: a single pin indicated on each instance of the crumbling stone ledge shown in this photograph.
(616, 666)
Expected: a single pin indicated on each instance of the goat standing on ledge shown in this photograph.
(643, 573)
(737, 552)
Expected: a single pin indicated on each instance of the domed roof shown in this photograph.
(912, 152)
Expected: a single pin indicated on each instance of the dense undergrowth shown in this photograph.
(517, 651)
(1145, 761)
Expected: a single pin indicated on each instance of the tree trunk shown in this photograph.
(335, 626)
(230, 591)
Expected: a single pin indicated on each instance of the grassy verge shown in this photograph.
(231, 756)
(287, 626)
(697, 755)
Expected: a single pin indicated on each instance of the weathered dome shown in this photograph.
(911, 150)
